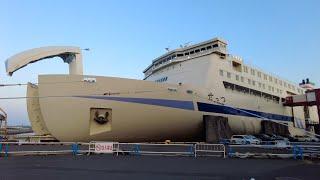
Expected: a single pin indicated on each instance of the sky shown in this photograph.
(279, 36)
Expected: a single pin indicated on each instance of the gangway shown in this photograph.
(3, 125)
(310, 98)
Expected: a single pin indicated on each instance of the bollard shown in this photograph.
(137, 149)
(297, 152)
(191, 150)
(230, 152)
(75, 149)
(294, 151)
(300, 152)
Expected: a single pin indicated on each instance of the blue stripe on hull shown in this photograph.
(188, 105)
(239, 112)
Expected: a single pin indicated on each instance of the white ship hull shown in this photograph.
(140, 110)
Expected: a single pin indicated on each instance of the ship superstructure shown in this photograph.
(209, 65)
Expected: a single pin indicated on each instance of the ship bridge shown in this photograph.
(216, 45)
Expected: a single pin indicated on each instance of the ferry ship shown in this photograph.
(179, 89)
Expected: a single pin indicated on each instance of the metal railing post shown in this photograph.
(6, 150)
(195, 150)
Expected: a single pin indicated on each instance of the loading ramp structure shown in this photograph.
(3, 125)
(310, 98)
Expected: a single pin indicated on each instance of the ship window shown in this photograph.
(237, 77)
(228, 85)
(253, 82)
(270, 78)
(187, 53)
(280, 82)
(228, 75)
(179, 55)
(276, 99)
(265, 77)
(259, 74)
(276, 81)
(191, 52)
(221, 72)
(269, 88)
(253, 72)
(263, 86)
(174, 56)
(242, 79)
(245, 69)
(197, 50)
(249, 81)
(209, 47)
(259, 84)
(272, 89)
(203, 49)
(255, 92)
(215, 45)
(246, 90)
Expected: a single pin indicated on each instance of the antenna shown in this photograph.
(185, 44)
(167, 49)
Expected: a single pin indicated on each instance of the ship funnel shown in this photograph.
(69, 54)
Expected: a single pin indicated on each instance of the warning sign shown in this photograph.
(103, 147)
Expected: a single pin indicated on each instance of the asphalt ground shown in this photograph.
(154, 167)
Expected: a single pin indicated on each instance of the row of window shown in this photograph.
(190, 52)
(271, 79)
(253, 92)
(252, 82)
(162, 79)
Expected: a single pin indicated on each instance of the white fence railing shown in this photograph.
(164, 149)
(43, 148)
(297, 151)
(173, 149)
(208, 149)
